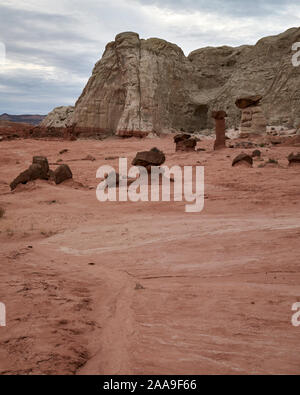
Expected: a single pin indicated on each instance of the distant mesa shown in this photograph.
(30, 119)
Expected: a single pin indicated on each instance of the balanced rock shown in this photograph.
(253, 120)
(61, 174)
(244, 102)
(243, 159)
(294, 159)
(154, 157)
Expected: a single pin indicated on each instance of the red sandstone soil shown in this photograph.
(218, 286)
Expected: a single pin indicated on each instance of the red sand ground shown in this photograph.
(218, 286)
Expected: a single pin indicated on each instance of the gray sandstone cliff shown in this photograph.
(151, 86)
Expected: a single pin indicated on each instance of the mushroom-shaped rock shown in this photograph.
(247, 101)
(244, 159)
(154, 157)
(294, 159)
(62, 173)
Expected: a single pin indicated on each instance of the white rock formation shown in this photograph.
(59, 117)
(151, 86)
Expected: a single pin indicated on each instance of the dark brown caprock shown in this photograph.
(219, 117)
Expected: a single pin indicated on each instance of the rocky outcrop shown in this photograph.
(38, 170)
(139, 86)
(151, 86)
(243, 160)
(61, 174)
(60, 117)
(154, 157)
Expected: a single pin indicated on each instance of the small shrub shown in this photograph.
(273, 161)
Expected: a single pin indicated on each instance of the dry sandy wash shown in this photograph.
(144, 288)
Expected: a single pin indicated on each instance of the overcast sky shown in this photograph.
(52, 46)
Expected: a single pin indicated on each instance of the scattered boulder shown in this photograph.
(185, 142)
(61, 174)
(243, 159)
(186, 145)
(43, 162)
(181, 137)
(34, 172)
(294, 159)
(38, 170)
(64, 151)
(154, 157)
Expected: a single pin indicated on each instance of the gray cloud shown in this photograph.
(52, 46)
(240, 8)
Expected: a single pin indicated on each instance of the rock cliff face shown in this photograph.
(60, 117)
(151, 86)
(139, 85)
